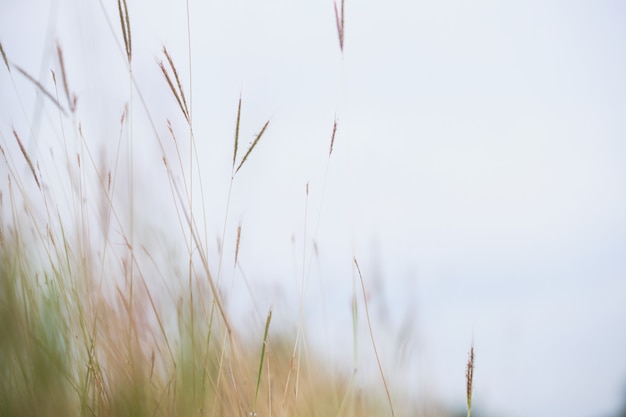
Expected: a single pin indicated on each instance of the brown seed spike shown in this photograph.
(181, 93)
(125, 23)
(332, 138)
(256, 140)
(4, 57)
(339, 20)
(469, 378)
(28, 161)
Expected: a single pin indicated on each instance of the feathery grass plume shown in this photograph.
(41, 88)
(28, 161)
(263, 348)
(369, 325)
(177, 90)
(332, 138)
(4, 57)
(237, 132)
(339, 21)
(256, 140)
(70, 101)
(125, 23)
(469, 379)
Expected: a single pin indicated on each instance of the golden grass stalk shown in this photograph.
(369, 325)
(125, 23)
(254, 143)
(469, 379)
(28, 160)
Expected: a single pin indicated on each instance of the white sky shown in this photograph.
(478, 175)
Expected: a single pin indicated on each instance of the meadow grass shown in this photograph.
(84, 329)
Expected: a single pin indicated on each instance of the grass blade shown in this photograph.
(258, 380)
(369, 325)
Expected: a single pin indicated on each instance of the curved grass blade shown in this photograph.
(258, 380)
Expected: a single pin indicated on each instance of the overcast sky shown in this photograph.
(478, 173)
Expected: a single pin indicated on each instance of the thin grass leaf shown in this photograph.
(237, 132)
(369, 325)
(256, 140)
(4, 57)
(263, 348)
(28, 161)
(42, 89)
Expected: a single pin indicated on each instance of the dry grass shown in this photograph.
(86, 331)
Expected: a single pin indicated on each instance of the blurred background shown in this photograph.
(478, 174)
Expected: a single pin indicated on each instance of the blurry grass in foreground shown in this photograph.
(84, 331)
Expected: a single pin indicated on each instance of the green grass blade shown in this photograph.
(258, 380)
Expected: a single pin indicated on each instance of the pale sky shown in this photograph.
(478, 173)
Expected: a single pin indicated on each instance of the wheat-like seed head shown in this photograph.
(469, 379)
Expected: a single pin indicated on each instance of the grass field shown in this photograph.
(96, 320)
